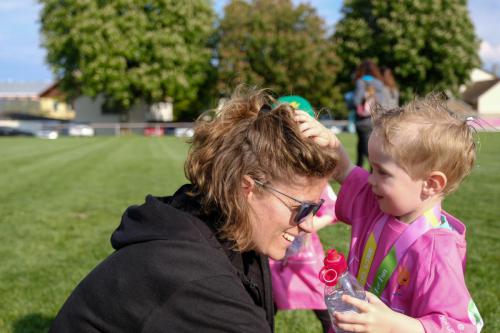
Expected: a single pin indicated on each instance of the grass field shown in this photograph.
(60, 201)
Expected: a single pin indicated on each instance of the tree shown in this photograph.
(430, 45)
(129, 50)
(274, 44)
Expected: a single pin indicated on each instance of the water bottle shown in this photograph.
(297, 245)
(294, 248)
(338, 281)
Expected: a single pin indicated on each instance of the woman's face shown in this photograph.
(272, 214)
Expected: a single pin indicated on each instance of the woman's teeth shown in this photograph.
(288, 237)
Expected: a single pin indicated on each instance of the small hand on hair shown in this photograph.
(311, 128)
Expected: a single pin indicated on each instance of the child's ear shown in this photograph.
(435, 183)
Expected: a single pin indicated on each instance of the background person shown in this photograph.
(391, 90)
(369, 92)
(197, 261)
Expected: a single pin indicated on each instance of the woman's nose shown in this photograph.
(307, 224)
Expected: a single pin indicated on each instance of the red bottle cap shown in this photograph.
(335, 266)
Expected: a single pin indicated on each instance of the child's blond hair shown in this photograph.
(425, 136)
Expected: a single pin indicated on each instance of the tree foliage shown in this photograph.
(274, 44)
(129, 50)
(430, 45)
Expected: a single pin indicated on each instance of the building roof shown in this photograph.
(22, 89)
(51, 91)
(460, 106)
(476, 89)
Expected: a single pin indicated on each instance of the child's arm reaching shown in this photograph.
(313, 129)
(326, 214)
(319, 222)
(374, 316)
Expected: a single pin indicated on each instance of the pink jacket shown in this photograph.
(428, 283)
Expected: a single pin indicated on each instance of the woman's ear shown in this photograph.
(247, 186)
(435, 184)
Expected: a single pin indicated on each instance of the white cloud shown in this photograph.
(489, 52)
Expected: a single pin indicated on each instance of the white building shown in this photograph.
(479, 74)
(33, 100)
(90, 110)
(483, 93)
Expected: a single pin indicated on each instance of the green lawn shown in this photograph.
(61, 199)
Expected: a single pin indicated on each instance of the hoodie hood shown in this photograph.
(164, 218)
(180, 219)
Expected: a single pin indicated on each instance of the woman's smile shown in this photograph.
(288, 237)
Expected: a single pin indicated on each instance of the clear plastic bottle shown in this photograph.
(294, 248)
(338, 281)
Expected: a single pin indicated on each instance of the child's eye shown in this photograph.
(381, 172)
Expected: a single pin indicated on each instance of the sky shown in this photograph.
(23, 59)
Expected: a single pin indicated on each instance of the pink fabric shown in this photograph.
(296, 284)
(328, 207)
(429, 282)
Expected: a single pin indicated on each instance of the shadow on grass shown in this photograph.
(32, 323)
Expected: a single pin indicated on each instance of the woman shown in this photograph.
(391, 91)
(197, 261)
(369, 91)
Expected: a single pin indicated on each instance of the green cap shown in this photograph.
(298, 103)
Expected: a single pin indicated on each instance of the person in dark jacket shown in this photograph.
(196, 261)
(367, 78)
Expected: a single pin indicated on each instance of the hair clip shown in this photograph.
(472, 122)
(265, 108)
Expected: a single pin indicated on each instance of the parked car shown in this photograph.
(153, 131)
(47, 134)
(12, 131)
(81, 130)
(182, 132)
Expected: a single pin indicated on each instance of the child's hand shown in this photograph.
(311, 128)
(375, 316)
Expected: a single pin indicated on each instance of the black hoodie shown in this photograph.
(170, 273)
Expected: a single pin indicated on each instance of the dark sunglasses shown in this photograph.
(305, 207)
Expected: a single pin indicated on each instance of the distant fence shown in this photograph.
(150, 129)
(160, 129)
(177, 128)
(186, 128)
(180, 128)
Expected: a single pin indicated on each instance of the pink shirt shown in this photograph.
(428, 283)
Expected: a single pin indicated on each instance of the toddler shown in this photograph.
(405, 249)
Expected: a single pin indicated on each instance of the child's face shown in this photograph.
(396, 192)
